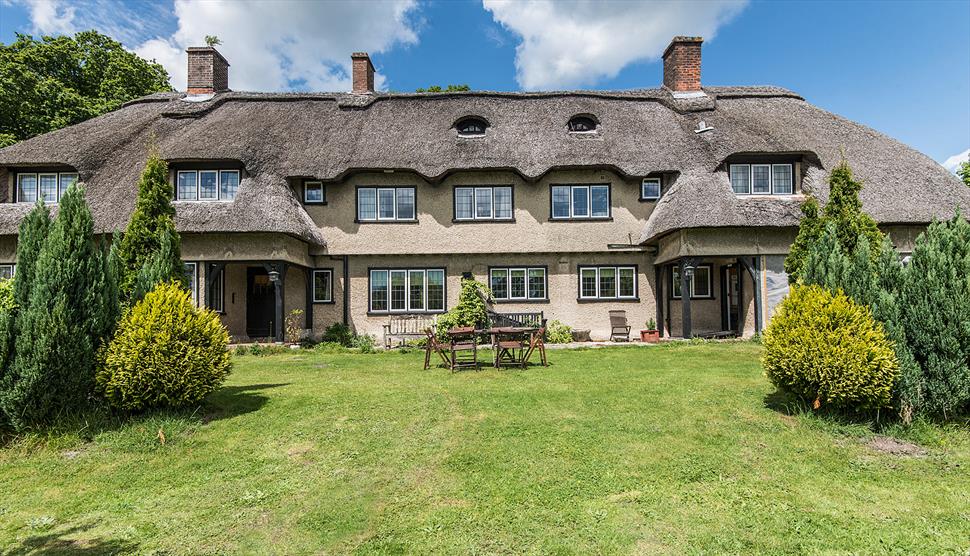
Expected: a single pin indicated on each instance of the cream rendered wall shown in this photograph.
(562, 284)
(435, 232)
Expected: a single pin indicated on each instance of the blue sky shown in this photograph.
(902, 68)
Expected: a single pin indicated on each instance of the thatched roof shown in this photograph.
(329, 136)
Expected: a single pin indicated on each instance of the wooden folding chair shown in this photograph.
(537, 342)
(464, 348)
(619, 329)
(434, 345)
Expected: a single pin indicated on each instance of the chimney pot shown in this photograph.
(208, 71)
(682, 64)
(363, 73)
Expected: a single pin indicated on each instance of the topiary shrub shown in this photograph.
(559, 333)
(165, 353)
(828, 349)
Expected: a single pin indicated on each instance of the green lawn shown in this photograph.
(621, 450)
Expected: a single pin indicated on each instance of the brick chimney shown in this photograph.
(208, 71)
(363, 73)
(682, 64)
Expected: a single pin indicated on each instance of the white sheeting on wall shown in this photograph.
(775, 282)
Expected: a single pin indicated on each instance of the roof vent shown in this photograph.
(702, 127)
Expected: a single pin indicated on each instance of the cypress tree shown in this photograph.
(935, 304)
(809, 230)
(826, 265)
(158, 267)
(64, 322)
(153, 219)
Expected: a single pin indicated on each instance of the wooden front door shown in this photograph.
(260, 304)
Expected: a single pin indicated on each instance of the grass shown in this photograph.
(628, 450)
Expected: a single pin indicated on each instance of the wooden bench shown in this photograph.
(407, 327)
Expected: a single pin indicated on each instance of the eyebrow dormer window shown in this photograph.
(582, 124)
(471, 127)
(206, 185)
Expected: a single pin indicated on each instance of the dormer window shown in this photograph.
(49, 186)
(471, 127)
(762, 179)
(582, 124)
(206, 185)
(650, 189)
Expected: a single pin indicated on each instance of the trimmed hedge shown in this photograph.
(165, 353)
(829, 350)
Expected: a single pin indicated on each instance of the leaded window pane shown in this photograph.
(499, 283)
(607, 282)
(537, 283)
(627, 282)
(580, 201)
(560, 201)
(187, 186)
(600, 201)
(405, 203)
(48, 187)
(27, 188)
(781, 179)
(378, 290)
(416, 290)
(741, 179)
(436, 290)
(483, 202)
(701, 283)
(464, 203)
(517, 283)
(322, 287)
(587, 278)
(385, 204)
(64, 183)
(208, 186)
(650, 189)
(228, 184)
(503, 202)
(398, 290)
(367, 204)
(761, 178)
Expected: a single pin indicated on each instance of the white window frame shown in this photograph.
(377, 197)
(616, 280)
(589, 202)
(307, 185)
(488, 190)
(194, 289)
(772, 190)
(675, 270)
(58, 193)
(643, 189)
(527, 297)
(313, 285)
(11, 267)
(198, 185)
(408, 304)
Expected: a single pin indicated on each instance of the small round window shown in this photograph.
(471, 127)
(582, 124)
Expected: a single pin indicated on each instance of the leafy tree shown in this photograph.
(935, 304)
(844, 211)
(151, 224)
(964, 172)
(448, 89)
(64, 323)
(54, 82)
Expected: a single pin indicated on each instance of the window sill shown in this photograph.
(608, 300)
(695, 298)
(393, 313)
(315, 203)
(331, 302)
(414, 221)
(483, 221)
(648, 199)
(591, 219)
(521, 301)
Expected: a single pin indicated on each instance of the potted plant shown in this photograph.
(651, 335)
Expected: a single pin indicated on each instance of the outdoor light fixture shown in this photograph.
(688, 270)
(274, 276)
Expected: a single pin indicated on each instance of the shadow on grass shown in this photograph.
(232, 401)
(55, 542)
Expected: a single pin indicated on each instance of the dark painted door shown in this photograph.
(260, 304)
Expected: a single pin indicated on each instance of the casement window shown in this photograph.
(762, 179)
(650, 189)
(700, 284)
(314, 193)
(217, 295)
(49, 186)
(407, 290)
(191, 271)
(323, 286)
(483, 203)
(518, 283)
(607, 282)
(7, 271)
(206, 185)
(471, 127)
(386, 204)
(579, 202)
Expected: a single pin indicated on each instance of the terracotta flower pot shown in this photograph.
(650, 336)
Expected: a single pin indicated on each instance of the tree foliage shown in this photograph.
(54, 82)
(844, 211)
(471, 309)
(964, 172)
(150, 236)
(67, 316)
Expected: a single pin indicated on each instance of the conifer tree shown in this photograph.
(66, 319)
(825, 264)
(152, 220)
(809, 230)
(158, 268)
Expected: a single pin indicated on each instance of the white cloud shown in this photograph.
(287, 43)
(570, 44)
(954, 161)
(271, 45)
